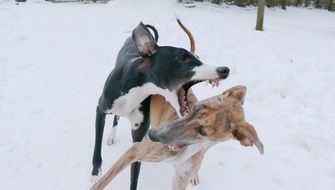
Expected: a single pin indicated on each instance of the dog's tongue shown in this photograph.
(174, 147)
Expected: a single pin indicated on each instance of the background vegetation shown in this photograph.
(322, 4)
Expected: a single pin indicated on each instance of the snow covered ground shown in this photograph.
(54, 59)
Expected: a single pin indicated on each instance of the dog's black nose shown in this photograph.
(153, 135)
(223, 72)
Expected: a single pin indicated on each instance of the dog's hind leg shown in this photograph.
(99, 130)
(112, 136)
(138, 132)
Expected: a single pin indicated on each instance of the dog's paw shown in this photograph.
(112, 137)
(110, 141)
(195, 179)
(95, 178)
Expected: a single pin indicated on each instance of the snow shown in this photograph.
(55, 58)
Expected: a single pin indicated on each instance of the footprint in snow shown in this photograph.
(305, 146)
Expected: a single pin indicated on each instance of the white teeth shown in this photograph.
(214, 83)
(184, 103)
(174, 148)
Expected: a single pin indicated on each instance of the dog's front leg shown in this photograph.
(112, 136)
(140, 121)
(187, 171)
(197, 160)
(184, 172)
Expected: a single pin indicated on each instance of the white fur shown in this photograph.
(195, 179)
(205, 72)
(182, 168)
(95, 178)
(185, 171)
(112, 136)
(135, 117)
(127, 103)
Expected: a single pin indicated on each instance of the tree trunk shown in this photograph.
(330, 5)
(307, 3)
(283, 4)
(216, 1)
(260, 15)
(317, 4)
(298, 3)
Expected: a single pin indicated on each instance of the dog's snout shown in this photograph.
(223, 72)
(153, 136)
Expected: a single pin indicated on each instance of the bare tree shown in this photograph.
(260, 15)
(283, 4)
(330, 5)
(307, 3)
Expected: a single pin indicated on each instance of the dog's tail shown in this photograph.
(124, 161)
(189, 34)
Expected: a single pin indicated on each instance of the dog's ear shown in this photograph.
(236, 92)
(247, 136)
(145, 42)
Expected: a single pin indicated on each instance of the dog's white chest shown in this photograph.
(127, 103)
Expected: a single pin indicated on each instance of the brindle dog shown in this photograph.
(184, 141)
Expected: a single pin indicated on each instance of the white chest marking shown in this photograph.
(127, 103)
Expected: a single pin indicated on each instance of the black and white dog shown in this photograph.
(142, 69)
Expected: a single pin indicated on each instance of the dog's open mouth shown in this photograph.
(175, 147)
(182, 93)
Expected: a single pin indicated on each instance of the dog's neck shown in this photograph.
(162, 111)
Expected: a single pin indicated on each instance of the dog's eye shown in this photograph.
(202, 131)
(183, 56)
